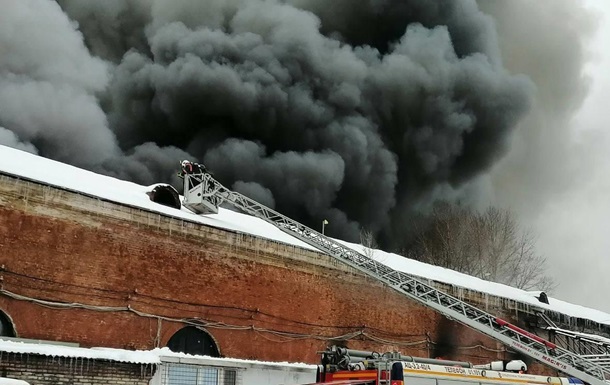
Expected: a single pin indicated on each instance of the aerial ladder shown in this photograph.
(594, 348)
(203, 195)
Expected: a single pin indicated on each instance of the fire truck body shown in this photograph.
(371, 368)
(429, 374)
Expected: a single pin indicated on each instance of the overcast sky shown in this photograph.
(574, 227)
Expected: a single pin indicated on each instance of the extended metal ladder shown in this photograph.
(593, 348)
(203, 194)
(590, 346)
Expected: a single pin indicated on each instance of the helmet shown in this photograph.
(184, 163)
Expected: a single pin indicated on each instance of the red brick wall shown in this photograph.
(64, 247)
(41, 370)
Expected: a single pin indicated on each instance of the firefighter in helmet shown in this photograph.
(188, 167)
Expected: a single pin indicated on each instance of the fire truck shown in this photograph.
(343, 366)
(203, 195)
(356, 367)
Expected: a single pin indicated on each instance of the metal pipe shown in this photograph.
(357, 355)
(435, 361)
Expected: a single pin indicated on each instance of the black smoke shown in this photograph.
(355, 112)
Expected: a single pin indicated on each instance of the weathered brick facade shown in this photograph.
(47, 370)
(129, 278)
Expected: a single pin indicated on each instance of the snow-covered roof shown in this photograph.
(155, 356)
(119, 355)
(29, 166)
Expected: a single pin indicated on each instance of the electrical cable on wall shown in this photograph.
(121, 294)
(280, 336)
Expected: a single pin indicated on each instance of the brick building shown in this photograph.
(48, 369)
(84, 268)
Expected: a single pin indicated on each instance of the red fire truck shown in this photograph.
(341, 366)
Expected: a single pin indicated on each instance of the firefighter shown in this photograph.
(189, 167)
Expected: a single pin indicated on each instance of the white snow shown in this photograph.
(155, 356)
(32, 167)
(458, 279)
(133, 356)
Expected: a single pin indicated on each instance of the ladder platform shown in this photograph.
(197, 196)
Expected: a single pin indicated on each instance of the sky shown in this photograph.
(573, 225)
(575, 228)
(363, 115)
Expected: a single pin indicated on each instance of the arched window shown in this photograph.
(6, 326)
(193, 340)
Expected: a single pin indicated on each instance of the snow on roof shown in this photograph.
(155, 356)
(452, 277)
(183, 358)
(131, 356)
(33, 167)
(12, 381)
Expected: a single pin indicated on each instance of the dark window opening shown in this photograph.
(6, 326)
(166, 195)
(192, 340)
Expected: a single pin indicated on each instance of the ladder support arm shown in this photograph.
(203, 195)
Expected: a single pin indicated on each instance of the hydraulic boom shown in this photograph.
(203, 194)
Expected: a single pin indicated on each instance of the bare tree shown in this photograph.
(446, 238)
(489, 245)
(367, 239)
(526, 269)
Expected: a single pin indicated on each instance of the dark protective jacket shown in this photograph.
(192, 168)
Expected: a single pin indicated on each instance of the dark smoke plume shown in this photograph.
(355, 112)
